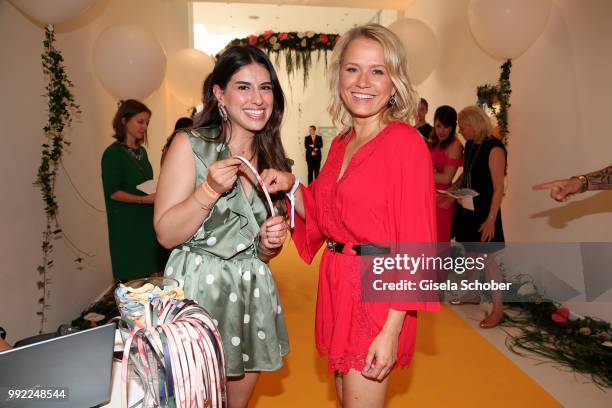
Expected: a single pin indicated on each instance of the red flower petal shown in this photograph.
(560, 315)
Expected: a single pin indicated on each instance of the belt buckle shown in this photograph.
(331, 245)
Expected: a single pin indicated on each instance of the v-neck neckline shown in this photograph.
(356, 153)
(247, 194)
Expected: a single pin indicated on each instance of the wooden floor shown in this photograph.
(453, 366)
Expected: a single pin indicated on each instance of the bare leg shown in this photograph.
(240, 389)
(492, 272)
(338, 377)
(359, 392)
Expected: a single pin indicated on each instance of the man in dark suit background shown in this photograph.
(313, 144)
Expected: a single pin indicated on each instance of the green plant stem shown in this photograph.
(62, 107)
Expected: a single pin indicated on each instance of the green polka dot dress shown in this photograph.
(219, 268)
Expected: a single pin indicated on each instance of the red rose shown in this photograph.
(324, 39)
(560, 315)
(252, 39)
(283, 36)
(267, 34)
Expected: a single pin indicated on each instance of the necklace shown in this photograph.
(136, 152)
(468, 167)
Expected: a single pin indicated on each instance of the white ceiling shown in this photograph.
(215, 23)
(244, 19)
(385, 4)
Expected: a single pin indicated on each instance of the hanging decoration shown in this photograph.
(53, 11)
(62, 108)
(297, 47)
(129, 61)
(186, 72)
(421, 47)
(505, 29)
(497, 98)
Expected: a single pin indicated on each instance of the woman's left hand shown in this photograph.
(487, 230)
(273, 233)
(381, 357)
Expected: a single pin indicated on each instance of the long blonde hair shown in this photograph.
(406, 98)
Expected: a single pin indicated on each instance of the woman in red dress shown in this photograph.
(447, 156)
(375, 187)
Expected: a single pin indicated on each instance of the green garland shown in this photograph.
(298, 47)
(491, 95)
(62, 107)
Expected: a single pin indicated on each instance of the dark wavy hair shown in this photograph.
(267, 144)
(447, 116)
(127, 109)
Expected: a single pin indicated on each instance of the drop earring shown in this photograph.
(392, 100)
(223, 113)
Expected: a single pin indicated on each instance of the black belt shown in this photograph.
(360, 249)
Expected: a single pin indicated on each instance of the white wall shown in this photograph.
(560, 95)
(22, 116)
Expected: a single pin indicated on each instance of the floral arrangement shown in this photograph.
(296, 46)
(497, 97)
(548, 330)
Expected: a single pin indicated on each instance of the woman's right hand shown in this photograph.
(223, 174)
(276, 180)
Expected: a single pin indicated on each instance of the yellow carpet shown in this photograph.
(453, 365)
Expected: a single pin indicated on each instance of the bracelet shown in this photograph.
(584, 183)
(204, 206)
(291, 196)
(209, 190)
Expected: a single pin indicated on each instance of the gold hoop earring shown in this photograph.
(223, 113)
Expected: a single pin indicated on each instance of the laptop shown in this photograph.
(72, 371)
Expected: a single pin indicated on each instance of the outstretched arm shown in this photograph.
(600, 180)
(561, 190)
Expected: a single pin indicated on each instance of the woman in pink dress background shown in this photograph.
(447, 156)
(375, 187)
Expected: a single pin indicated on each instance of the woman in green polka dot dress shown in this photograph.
(208, 207)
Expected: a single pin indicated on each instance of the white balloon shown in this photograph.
(53, 11)
(129, 61)
(187, 70)
(421, 46)
(507, 28)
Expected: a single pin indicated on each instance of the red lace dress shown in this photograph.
(386, 194)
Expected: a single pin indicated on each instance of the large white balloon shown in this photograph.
(421, 46)
(53, 11)
(187, 70)
(129, 61)
(507, 28)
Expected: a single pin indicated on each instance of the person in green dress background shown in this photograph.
(135, 252)
(209, 207)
